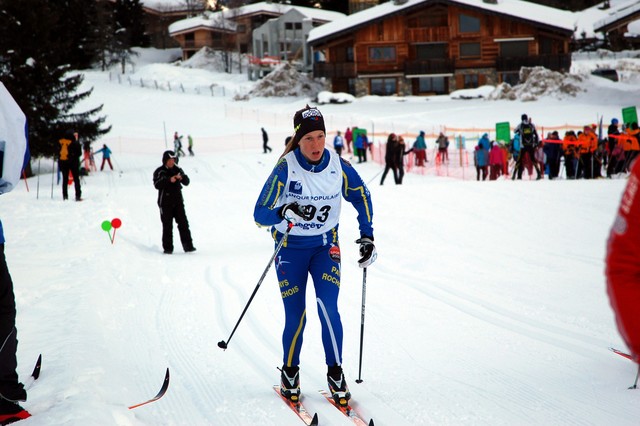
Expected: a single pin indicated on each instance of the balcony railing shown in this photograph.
(430, 66)
(334, 70)
(560, 62)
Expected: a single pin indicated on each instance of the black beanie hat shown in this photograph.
(167, 155)
(307, 120)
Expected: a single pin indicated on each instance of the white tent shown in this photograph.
(13, 141)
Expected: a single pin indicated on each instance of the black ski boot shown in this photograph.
(290, 383)
(338, 386)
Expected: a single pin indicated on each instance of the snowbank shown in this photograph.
(285, 80)
(538, 82)
(326, 97)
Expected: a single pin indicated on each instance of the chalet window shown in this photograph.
(469, 24)
(297, 25)
(349, 54)
(288, 25)
(470, 50)
(382, 54)
(432, 85)
(470, 81)
(514, 49)
(383, 86)
(545, 46)
(431, 51)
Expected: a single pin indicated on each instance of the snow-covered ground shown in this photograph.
(486, 306)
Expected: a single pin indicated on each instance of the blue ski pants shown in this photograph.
(293, 267)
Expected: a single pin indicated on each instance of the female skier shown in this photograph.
(304, 192)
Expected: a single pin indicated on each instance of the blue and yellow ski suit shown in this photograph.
(312, 245)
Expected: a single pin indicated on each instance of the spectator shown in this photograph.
(87, 155)
(443, 147)
(360, 146)
(419, 148)
(391, 158)
(616, 158)
(496, 158)
(486, 143)
(177, 145)
(553, 149)
(265, 141)
(587, 143)
(632, 146)
(168, 179)
(12, 392)
(529, 141)
(69, 161)
(481, 161)
(190, 145)
(338, 143)
(400, 153)
(348, 137)
(612, 137)
(106, 156)
(570, 150)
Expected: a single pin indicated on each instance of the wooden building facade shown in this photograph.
(435, 47)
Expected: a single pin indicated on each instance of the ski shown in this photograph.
(35, 374)
(163, 390)
(299, 409)
(36, 370)
(622, 354)
(346, 410)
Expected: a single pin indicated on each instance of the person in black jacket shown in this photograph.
(11, 390)
(391, 158)
(168, 180)
(69, 161)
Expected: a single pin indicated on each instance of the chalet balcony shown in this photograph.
(560, 62)
(334, 70)
(431, 66)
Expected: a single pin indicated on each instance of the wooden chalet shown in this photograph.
(615, 27)
(158, 17)
(210, 30)
(235, 26)
(423, 47)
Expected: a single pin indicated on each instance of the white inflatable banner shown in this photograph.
(13, 141)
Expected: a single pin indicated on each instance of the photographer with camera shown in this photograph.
(168, 179)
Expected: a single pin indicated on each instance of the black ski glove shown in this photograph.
(367, 251)
(294, 213)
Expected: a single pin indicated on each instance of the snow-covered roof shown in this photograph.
(223, 19)
(281, 9)
(532, 12)
(617, 13)
(208, 20)
(165, 5)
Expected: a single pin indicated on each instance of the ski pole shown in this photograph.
(222, 344)
(364, 296)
